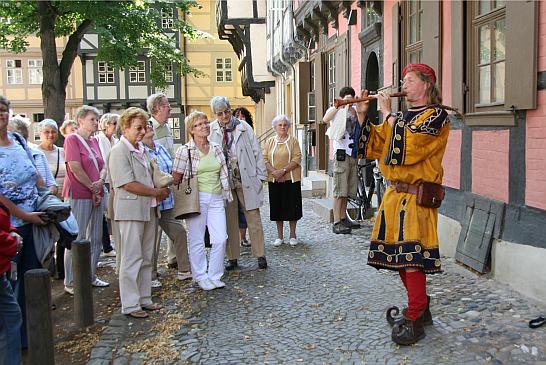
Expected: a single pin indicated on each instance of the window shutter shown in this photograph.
(521, 54)
(395, 82)
(431, 36)
(341, 64)
(304, 81)
(457, 55)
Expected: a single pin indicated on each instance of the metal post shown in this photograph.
(39, 324)
(83, 294)
(305, 150)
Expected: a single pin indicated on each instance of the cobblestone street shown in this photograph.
(319, 303)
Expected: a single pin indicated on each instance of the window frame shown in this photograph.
(35, 71)
(167, 18)
(138, 73)
(108, 71)
(14, 72)
(331, 75)
(417, 47)
(223, 71)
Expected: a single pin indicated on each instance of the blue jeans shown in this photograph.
(10, 324)
(26, 260)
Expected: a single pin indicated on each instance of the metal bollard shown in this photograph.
(39, 324)
(83, 293)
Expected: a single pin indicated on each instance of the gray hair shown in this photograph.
(86, 109)
(217, 102)
(66, 124)
(153, 101)
(107, 119)
(19, 125)
(280, 118)
(5, 102)
(48, 123)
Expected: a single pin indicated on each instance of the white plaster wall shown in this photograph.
(138, 92)
(258, 40)
(239, 9)
(90, 77)
(106, 92)
(121, 76)
(448, 235)
(90, 93)
(521, 267)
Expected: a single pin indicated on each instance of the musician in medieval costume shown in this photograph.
(409, 146)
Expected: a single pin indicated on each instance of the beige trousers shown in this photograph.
(255, 230)
(135, 271)
(174, 229)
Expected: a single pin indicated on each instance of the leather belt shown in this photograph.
(402, 187)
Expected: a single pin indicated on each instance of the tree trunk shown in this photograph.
(53, 91)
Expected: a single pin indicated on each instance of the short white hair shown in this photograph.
(217, 102)
(153, 101)
(19, 125)
(280, 118)
(107, 119)
(48, 123)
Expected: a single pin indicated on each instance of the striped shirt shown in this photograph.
(180, 164)
(165, 163)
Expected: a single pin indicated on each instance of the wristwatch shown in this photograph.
(392, 114)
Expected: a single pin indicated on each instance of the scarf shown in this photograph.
(228, 135)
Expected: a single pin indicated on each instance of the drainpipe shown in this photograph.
(185, 102)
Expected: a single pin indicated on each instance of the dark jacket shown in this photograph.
(8, 243)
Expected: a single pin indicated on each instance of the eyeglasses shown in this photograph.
(113, 123)
(4, 111)
(225, 112)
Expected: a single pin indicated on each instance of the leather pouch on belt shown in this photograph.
(430, 195)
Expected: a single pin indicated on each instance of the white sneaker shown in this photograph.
(183, 275)
(278, 242)
(206, 284)
(156, 284)
(109, 253)
(293, 242)
(218, 283)
(69, 289)
(99, 283)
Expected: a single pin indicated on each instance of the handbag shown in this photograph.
(186, 194)
(161, 179)
(68, 231)
(430, 195)
(338, 125)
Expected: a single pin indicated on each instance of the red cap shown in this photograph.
(422, 68)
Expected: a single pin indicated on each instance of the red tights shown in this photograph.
(416, 286)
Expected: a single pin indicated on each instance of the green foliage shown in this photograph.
(126, 29)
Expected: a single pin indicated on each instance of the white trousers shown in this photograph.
(135, 271)
(212, 215)
(89, 220)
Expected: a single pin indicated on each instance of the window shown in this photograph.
(223, 70)
(14, 72)
(488, 36)
(167, 18)
(371, 17)
(331, 77)
(414, 32)
(106, 73)
(169, 74)
(137, 74)
(35, 72)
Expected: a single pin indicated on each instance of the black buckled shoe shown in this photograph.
(408, 332)
(340, 228)
(262, 262)
(351, 224)
(393, 318)
(231, 265)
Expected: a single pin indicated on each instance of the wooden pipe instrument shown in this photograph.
(340, 102)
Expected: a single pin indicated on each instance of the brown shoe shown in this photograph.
(408, 332)
(138, 314)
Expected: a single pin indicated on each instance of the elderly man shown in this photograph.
(177, 247)
(246, 168)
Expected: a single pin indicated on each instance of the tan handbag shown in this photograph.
(186, 194)
(161, 179)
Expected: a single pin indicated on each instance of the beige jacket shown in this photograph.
(278, 158)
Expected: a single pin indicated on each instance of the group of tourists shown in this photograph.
(106, 170)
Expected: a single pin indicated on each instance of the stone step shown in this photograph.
(324, 209)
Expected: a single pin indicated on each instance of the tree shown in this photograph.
(125, 28)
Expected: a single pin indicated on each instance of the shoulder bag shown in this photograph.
(186, 194)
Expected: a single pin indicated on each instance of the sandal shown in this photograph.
(138, 314)
(152, 307)
(537, 322)
(245, 243)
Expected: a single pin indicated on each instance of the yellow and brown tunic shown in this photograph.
(411, 151)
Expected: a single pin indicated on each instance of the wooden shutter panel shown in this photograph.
(521, 54)
(395, 82)
(457, 55)
(431, 36)
(304, 83)
(342, 63)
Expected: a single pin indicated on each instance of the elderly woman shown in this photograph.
(209, 165)
(106, 137)
(171, 226)
(21, 126)
(246, 171)
(84, 186)
(19, 180)
(135, 209)
(68, 127)
(282, 156)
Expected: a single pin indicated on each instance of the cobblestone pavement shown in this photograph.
(319, 303)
